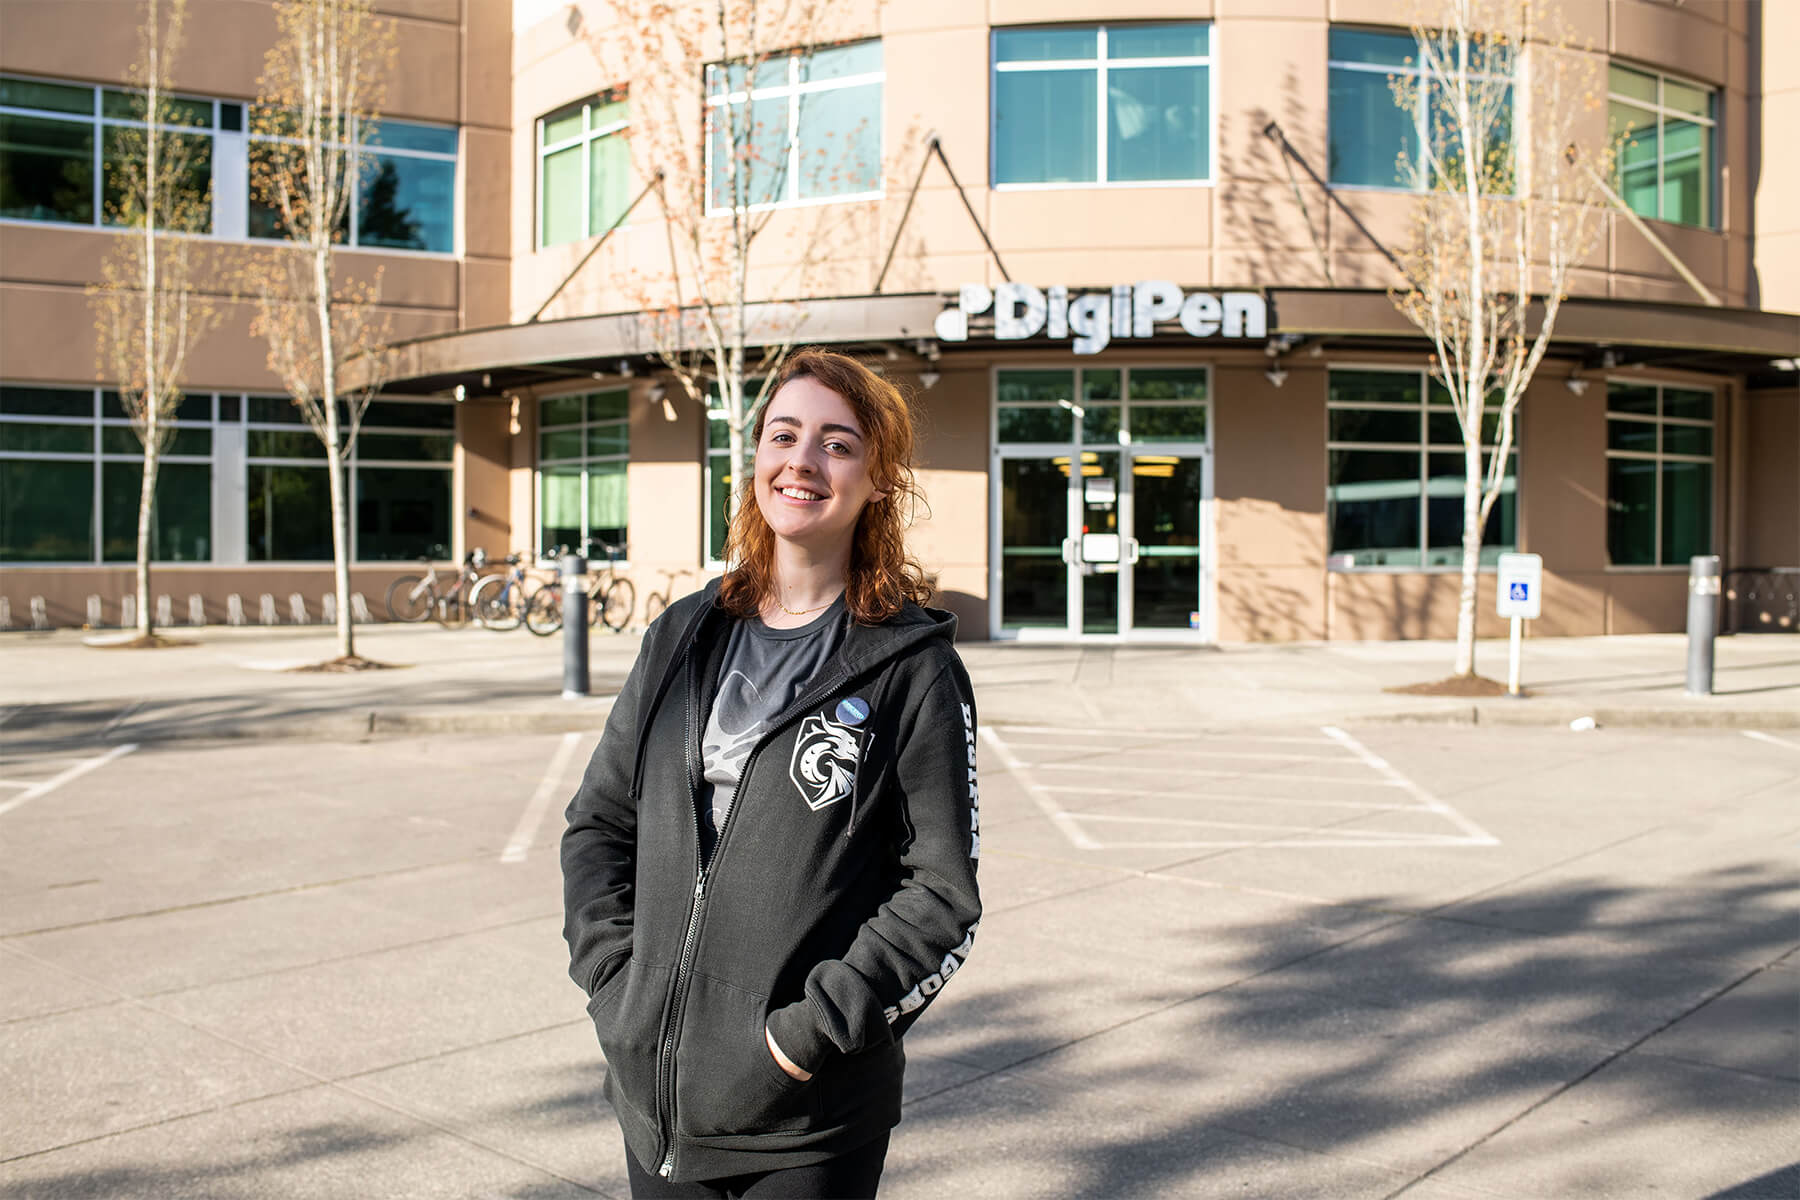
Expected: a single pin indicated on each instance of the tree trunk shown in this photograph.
(146, 510)
(1471, 555)
(334, 453)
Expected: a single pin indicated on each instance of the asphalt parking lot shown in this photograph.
(1304, 959)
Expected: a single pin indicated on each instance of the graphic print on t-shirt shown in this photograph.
(737, 721)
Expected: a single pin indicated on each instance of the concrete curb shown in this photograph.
(1558, 715)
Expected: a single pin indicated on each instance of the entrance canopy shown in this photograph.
(1600, 333)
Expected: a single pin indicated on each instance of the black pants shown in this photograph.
(850, 1176)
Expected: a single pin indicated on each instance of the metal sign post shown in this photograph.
(1519, 595)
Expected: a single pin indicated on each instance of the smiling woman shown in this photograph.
(787, 725)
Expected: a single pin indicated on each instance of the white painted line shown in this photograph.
(75, 772)
(124, 714)
(1070, 829)
(1315, 831)
(1289, 844)
(1165, 772)
(1188, 752)
(547, 788)
(1479, 836)
(1165, 794)
(1141, 735)
(7, 714)
(1771, 739)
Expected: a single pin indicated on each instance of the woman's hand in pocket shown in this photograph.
(787, 1064)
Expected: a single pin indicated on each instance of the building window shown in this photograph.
(1659, 474)
(583, 160)
(69, 455)
(1394, 495)
(405, 197)
(718, 483)
(806, 126)
(1103, 104)
(1374, 141)
(1662, 131)
(584, 448)
(61, 146)
(398, 479)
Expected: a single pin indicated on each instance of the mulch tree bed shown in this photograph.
(342, 665)
(1464, 686)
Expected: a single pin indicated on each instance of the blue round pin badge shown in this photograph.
(853, 711)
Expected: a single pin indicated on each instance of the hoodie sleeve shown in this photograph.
(599, 845)
(906, 952)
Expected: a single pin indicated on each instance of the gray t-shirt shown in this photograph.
(764, 671)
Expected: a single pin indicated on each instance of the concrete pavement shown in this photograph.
(235, 683)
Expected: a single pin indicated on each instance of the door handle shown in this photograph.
(1068, 550)
(1131, 551)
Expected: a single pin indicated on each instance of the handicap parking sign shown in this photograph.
(1520, 586)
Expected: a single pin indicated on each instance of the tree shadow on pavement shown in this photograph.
(1362, 1067)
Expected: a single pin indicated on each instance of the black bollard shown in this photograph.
(575, 627)
(1702, 622)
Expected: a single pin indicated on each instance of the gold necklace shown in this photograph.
(802, 612)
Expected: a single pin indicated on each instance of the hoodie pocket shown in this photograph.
(627, 1015)
(726, 1081)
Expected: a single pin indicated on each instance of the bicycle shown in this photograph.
(501, 601)
(611, 596)
(656, 603)
(415, 598)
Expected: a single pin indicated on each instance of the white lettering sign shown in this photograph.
(1095, 318)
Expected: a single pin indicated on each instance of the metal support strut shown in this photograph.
(934, 146)
(595, 248)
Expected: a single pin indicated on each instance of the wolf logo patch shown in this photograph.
(825, 758)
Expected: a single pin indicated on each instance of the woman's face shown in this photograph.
(812, 467)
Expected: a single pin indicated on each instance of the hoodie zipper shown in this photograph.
(665, 1067)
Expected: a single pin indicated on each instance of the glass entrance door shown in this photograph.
(1112, 546)
(1098, 528)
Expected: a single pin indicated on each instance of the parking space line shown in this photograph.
(1322, 831)
(1476, 833)
(1062, 820)
(1771, 739)
(1145, 735)
(1213, 773)
(1164, 793)
(75, 772)
(535, 808)
(123, 715)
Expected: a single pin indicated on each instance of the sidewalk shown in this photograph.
(235, 683)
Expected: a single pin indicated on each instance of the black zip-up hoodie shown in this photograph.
(839, 899)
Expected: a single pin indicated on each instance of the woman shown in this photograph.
(769, 868)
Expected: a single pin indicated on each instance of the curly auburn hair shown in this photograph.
(882, 576)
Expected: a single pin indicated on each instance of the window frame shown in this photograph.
(98, 122)
(230, 190)
(363, 151)
(1658, 458)
(583, 461)
(1420, 118)
(792, 90)
(1423, 448)
(1098, 64)
(587, 139)
(352, 462)
(97, 456)
(1663, 113)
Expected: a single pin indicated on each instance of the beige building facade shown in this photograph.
(1163, 394)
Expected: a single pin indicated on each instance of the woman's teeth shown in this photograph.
(799, 493)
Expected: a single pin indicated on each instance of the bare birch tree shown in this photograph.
(148, 311)
(720, 182)
(321, 86)
(1509, 210)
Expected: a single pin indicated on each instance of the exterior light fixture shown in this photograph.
(1275, 375)
(928, 379)
(1575, 383)
(625, 368)
(459, 393)
(657, 392)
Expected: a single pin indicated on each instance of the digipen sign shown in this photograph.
(1095, 318)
